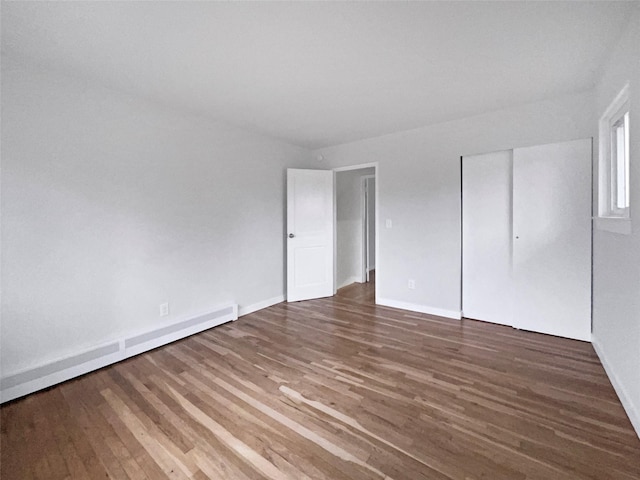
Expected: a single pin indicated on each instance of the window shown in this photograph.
(619, 137)
(614, 162)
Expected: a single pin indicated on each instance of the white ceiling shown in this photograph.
(322, 73)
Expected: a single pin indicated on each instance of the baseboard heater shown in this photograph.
(36, 378)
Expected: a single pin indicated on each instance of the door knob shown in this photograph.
(291, 235)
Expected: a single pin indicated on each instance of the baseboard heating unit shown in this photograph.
(36, 378)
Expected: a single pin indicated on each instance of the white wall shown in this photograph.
(111, 206)
(616, 257)
(349, 228)
(419, 191)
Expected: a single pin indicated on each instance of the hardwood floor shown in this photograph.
(334, 388)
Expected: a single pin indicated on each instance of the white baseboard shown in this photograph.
(242, 311)
(349, 281)
(633, 411)
(32, 379)
(414, 307)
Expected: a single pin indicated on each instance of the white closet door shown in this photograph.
(486, 237)
(552, 239)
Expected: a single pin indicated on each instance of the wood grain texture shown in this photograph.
(335, 388)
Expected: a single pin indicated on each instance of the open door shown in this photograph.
(309, 234)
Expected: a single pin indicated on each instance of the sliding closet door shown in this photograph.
(552, 239)
(486, 237)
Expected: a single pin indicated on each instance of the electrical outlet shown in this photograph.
(388, 223)
(412, 284)
(164, 309)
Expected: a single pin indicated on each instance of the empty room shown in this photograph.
(320, 240)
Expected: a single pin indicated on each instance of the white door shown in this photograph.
(526, 238)
(486, 237)
(552, 238)
(309, 234)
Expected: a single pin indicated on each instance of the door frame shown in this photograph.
(365, 227)
(376, 174)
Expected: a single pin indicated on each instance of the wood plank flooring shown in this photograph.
(334, 388)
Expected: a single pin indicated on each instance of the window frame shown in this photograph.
(612, 216)
(619, 122)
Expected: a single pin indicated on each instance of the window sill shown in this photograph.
(613, 225)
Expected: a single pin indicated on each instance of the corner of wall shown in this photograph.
(633, 411)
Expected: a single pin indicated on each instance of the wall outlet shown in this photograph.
(412, 284)
(164, 309)
(388, 223)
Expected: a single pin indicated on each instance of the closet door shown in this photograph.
(552, 239)
(486, 237)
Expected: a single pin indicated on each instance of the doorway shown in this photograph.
(355, 225)
(332, 231)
